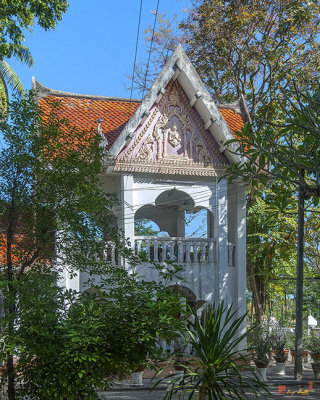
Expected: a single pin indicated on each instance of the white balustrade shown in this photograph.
(111, 254)
(177, 249)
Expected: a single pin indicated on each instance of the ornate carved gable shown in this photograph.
(172, 140)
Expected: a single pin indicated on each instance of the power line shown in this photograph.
(136, 49)
(150, 50)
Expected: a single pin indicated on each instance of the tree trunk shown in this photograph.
(11, 303)
(299, 287)
(258, 292)
(11, 317)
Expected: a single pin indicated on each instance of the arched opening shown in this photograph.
(147, 222)
(174, 229)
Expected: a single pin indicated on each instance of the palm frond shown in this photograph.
(23, 54)
(4, 96)
(218, 374)
(11, 78)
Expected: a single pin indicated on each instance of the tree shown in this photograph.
(44, 185)
(270, 244)
(55, 216)
(253, 48)
(289, 152)
(8, 77)
(312, 262)
(17, 16)
(68, 353)
(217, 369)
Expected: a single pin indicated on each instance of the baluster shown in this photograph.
(161, 251)
(148, 249)
(172, 250)
(203, 251)
(195, 252)
(166, 251)
(155, 250)
(139, 242)
(113, 253)
(210, 251)
(188, 259)
(180, 251)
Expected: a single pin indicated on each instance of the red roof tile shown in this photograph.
(233, 119)
(83, 113)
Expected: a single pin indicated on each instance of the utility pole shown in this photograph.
(299, 286)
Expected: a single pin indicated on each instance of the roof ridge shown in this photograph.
(43, 91)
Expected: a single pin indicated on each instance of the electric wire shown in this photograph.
(136, 49)
(150, 49)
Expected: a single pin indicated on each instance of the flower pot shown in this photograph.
(261, 364)
(293, 354)
(136, 378)
(316, 370)
(279, 369)
(262, 374)
(286, 352)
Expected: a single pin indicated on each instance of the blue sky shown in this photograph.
(92, 49)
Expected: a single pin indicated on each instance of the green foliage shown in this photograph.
(18, 15)
(8, 78)
(69, 345)
(253, 48)
(292, 148)
(279, 343)
(218, 362)
(55, 218)
(313, 345)
(143, 227)
(260, 340)
(271, 250)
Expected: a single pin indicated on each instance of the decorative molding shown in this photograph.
(151, 148)
(170, 167)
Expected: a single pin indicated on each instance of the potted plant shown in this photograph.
(279, 341)
(260, 341)
(138, 362)
(314, 347)
(291, 343)
(215, 372)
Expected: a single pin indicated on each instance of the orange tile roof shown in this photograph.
(234, 120)
(83, 112)
(15, 249)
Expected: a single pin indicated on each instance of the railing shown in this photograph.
(178, 249)
(111, 253)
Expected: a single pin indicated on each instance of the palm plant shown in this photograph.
(9, 78)
(219, 365)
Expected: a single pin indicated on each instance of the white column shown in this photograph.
(222, 241)
(65, 279)
(240, 254)
(180, 223)
(127, 205)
